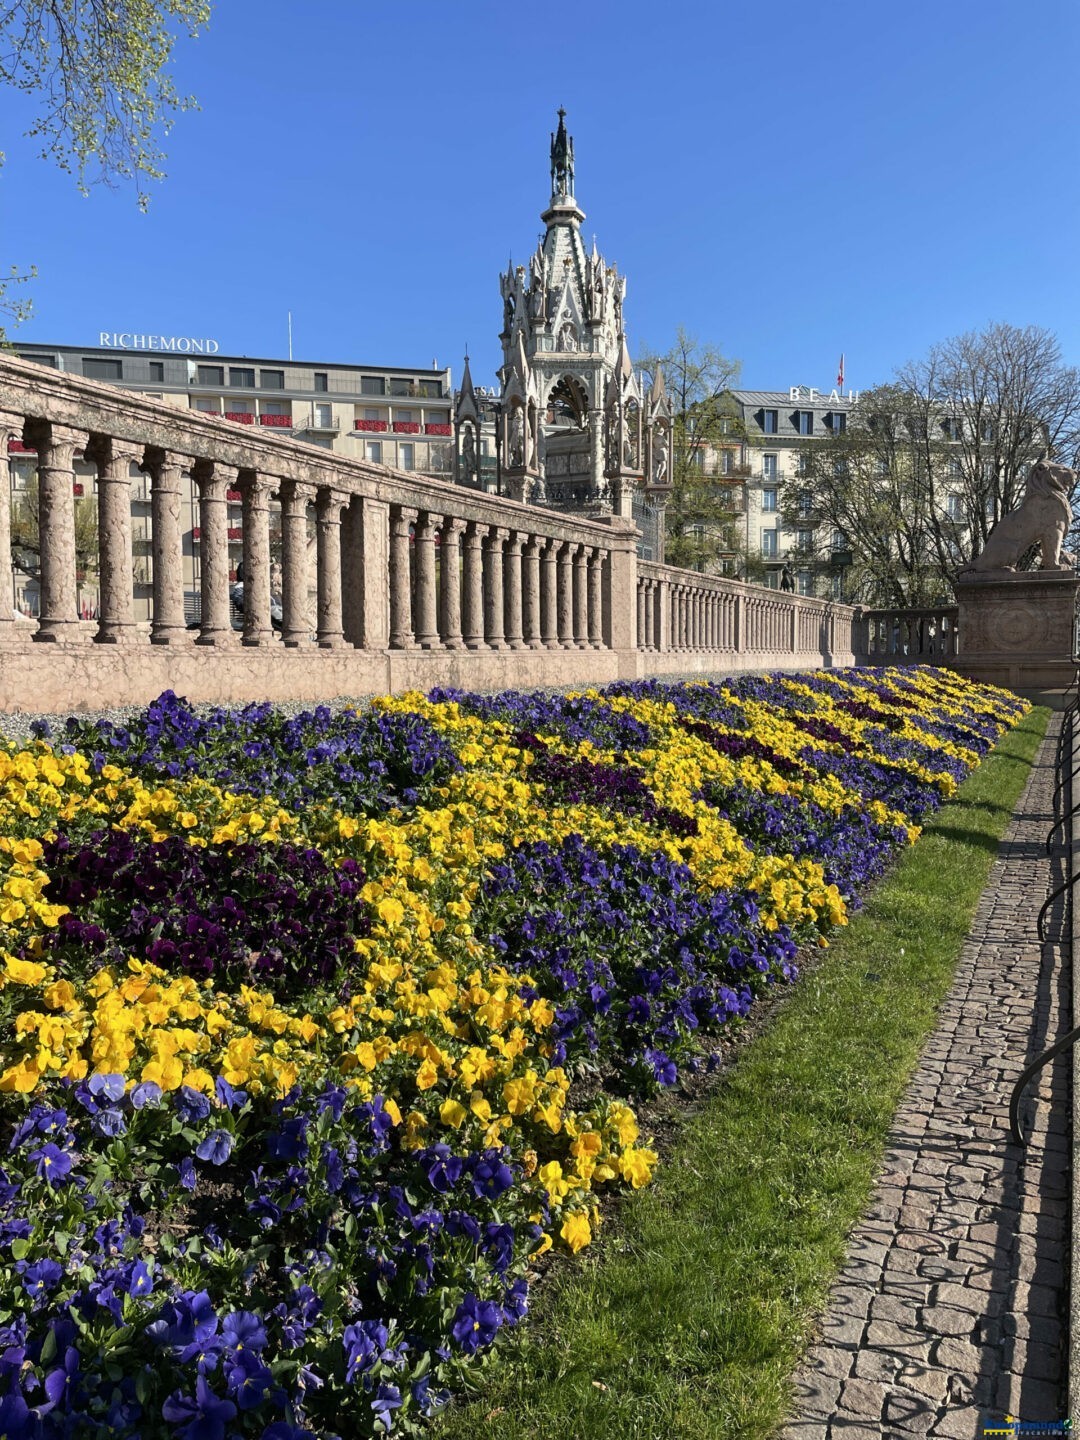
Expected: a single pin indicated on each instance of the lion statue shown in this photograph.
(1042, 518)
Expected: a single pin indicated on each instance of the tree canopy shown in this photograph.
(929, 463)
(702, 519)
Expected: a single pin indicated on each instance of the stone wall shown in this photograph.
(410, 582)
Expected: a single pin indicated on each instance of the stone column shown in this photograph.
(596, 599)
(375, 580)
(330, 632)
(493, 588)
(213, 480)
(401, 631)
(11, 428)
(295, 577)
(473, 586)
(530, 593)
(114, 459)
(450, 580)
(650, 615)
(581, 598)
(641, 612)
(549, 594)
(168, 625)
(566, 596)
(515, 637)
(427, 623)
(56, 446)
(255, 509)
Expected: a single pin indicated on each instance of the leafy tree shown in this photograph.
(929, 463)
(26, 535)
(703, 510)
(97, 74)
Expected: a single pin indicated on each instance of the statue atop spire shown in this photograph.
(562, 160)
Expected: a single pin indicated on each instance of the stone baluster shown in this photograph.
(11, 428)
(641, 614)
(473, 586)
(56, 445)
(515, 634)
(595, 561)
(295, 574)
(401, 629)
(214, 480)
(530, 593)
(581, 597)
(427, 622)
(450, 580)
(116, 613)
(566, 596)
(330, 631)
(650, 614)
(255, 493)
(549, 594)
(494, 604)
(168, 624)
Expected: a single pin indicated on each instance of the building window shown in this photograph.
(321, 380)
(839, 540)
(432, 388)
(723, 496)
(274, 407)
(49, 360)
(768, 500)
(210, 374)
(806, 583)
(802, 463)
(768, 467)
(374, 451)
(806, 503)
(768, 544)
(97, 369)
(726, 425)
(805, 540)
(405, 415)
(727, 461)
(836, 422)
(881, 469)
(157, 370)
(406, 455)
(837, 584)
(952, 469)
(272, 379)
(954, 507)
(372, 385)
(372, 414)
(950, 428)
(241, 378)
(207, 404)
(768, 421)
(323, 416)
(804, 422)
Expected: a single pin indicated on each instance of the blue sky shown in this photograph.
(788, 181)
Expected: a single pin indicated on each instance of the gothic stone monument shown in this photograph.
(574, 430)
(1017, 627)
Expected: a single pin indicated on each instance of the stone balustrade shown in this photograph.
(689, 623)
(911, 637)
(388, 580)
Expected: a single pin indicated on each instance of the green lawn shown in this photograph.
(687, 1319)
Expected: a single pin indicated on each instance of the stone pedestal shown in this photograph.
(1018, 630)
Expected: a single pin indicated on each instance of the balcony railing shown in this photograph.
(241, 417)
(371, 426)
(432, 429)
(406, 427)
(276, 422)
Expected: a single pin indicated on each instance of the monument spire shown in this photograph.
(562, 160)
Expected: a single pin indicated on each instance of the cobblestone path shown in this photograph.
(949, 1310)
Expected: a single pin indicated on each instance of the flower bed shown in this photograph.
(318, 1030)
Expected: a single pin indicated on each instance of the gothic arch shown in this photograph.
(568, 403)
